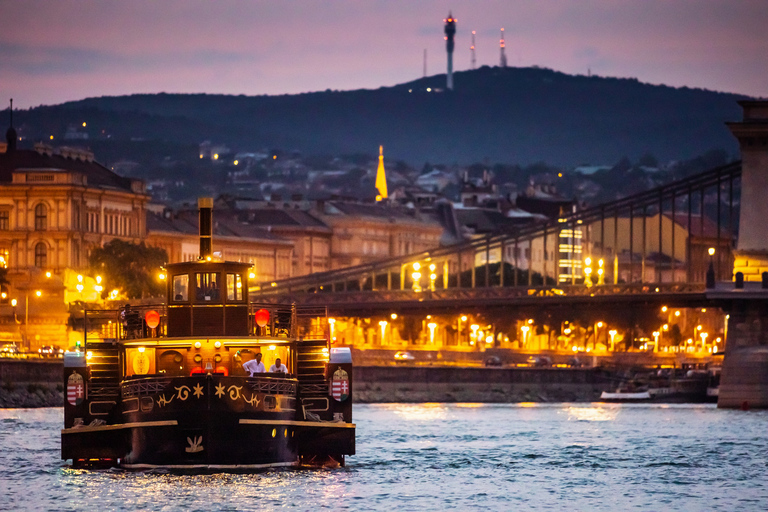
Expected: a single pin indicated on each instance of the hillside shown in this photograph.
(519, 115)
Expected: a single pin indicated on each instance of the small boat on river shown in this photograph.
(187, 384)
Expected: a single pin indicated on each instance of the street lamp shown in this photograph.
(525, 330)
(38, 293)
(432, 276)
(383, 325)
(588, 272)
(711, 269)
(612, 332)
(474, 328)
(432, 326)
(416, 275)
(600, 272)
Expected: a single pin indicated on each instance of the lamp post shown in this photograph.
(432, 326)
(612, 332)
(525, 330)
(416, 275)
(38, 293)
(711, 269)
(588, 272)
(462, 318)
(383, 325)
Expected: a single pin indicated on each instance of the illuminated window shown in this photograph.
(181, 288)
(207, 287)
(41, 217)
(41, 255)
(234, 287)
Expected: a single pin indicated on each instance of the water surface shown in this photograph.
(440, 457)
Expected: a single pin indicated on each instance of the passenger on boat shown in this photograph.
(254, 365)
(278, 367)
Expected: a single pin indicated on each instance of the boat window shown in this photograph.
(234, 287)
(207, 287)
(171, 363)
(181, 287)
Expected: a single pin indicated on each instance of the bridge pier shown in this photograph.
(744, 379)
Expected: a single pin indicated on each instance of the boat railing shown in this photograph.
(151, 321)
(153, 384)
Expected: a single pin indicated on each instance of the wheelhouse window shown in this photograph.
(181, 288)
(41, 217)
(207, 287)
(41, 255)
(234, 288)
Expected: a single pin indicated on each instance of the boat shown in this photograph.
(688, 387)
(164, 386)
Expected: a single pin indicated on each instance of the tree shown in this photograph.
(130, 267)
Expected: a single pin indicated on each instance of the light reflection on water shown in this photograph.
(440, 456)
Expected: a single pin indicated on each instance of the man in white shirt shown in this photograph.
(254, 366)
(278, 367)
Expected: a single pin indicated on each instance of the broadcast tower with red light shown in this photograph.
(450, 31)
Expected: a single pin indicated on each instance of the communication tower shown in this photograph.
(450, 31)
(472, 48)
(503, 59)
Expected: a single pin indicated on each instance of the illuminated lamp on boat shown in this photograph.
(217, 344)
(152, 318)
(198, 344)
(261, 317)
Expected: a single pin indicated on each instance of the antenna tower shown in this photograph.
(472, 48)
(503, 59)
(450, 31)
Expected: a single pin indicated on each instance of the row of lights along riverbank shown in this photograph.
(679, 331)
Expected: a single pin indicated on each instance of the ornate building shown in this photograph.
(56, 205)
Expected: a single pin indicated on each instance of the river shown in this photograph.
(440, 457)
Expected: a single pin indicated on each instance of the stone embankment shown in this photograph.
(379, 384)
(31, 395)
(32, 383)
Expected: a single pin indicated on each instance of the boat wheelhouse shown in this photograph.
(167, 386)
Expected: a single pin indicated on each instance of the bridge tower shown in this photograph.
(752, 133)
(744, 381)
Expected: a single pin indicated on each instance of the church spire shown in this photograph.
(381, 177)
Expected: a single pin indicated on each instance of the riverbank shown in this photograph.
(31, 395)
(416, 384)
(38, 384)
(31, 383)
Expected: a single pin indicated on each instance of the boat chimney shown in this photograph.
(205, 205)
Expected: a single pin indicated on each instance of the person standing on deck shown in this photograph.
(254, 366)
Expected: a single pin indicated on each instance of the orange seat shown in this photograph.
(196, 371)
(222, 369)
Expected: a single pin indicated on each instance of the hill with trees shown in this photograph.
(511, 115)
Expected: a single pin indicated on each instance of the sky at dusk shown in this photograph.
(56, 51)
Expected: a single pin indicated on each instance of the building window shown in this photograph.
(41, 217)
(41, 255)
(5, 220)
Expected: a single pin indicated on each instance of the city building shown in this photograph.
(56, 205)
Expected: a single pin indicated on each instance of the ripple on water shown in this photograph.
(440, 456)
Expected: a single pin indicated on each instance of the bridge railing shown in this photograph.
(660, 235)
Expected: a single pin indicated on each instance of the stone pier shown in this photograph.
(744, 380)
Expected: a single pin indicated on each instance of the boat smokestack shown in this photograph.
(205, 205)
